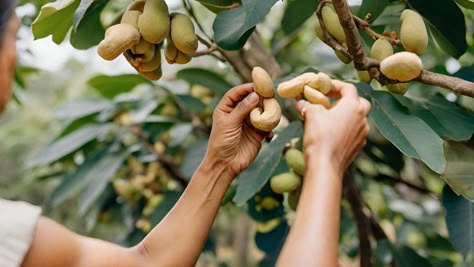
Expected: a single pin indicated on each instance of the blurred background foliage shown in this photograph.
(107, 153)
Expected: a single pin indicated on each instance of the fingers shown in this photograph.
(343, 90)
(244, 107)
(234, 96)
(304, 106)
(364, 105)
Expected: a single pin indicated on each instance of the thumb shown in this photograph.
(303, 107)
(244, 107)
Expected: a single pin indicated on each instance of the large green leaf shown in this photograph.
(98, 177)
(55, 19)
(111, 86)
(460, 221)
(466, 3)
(257, 174)
(374, 7)
(296, 13)
(206, 78)
(68, 144)
(233, 27)
(87, 29)
(407, 257)
(450, 33)
(80, 108)
(446, 118)
(409, 133)
(459, 171)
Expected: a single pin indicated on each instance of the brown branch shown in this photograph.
(362, 222)
(454, 84)
(365, 26)
(354, 44)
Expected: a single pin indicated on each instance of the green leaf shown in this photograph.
(179, 133)
(407, 257)
(206, 78)
(408, 133)
(233, 27)
(450, 33)
(218, 5)
(446, 118)
(460, 221)
(459, 171)
(111, 86)
(193, 157)
(102, 172)
(296, 14)
(55, 19)
(68, 144)
(374, 7)
(169, 200)
(87, 29)
(80, 108)
(189, 103)
(257, 174)
(469, 4)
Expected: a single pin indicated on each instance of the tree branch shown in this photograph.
(363, 223)
(365, 26)
(454, 84)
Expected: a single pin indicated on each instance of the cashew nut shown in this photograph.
(266, 119)
(118, 39)
(316, 97)
(263, 82)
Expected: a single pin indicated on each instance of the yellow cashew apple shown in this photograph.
(413, 32)
(402, 66)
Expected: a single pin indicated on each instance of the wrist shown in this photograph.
(216, 167)
(317, 156)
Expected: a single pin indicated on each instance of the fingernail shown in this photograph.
(253, 97)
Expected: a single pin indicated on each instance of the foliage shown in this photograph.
(136, 145)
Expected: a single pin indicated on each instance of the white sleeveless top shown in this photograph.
(17, 227)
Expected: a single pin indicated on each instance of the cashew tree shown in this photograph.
(126, 154)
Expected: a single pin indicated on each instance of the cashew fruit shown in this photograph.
(381, 49)
(182, 33)
(364, 76)
(263, 82)
(291, 89)
(268, 226)
(152, 75)
(332, 24)
(118, 39)
(269, 203)
(131, 17)
(319, 31)
(293, 198)
(266, 119)
(137, 5)
(402, 66)
(321, 81)
(154, 22)
(345, 59)
(149, 55)
(170, 51)
(285, 182)
(398, 88)
(295, 160)
(316, 97)
(413, 32)
(153, 64)
(142, 47)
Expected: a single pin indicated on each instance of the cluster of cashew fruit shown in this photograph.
(141, 33)
(314, 87)
(290, 182)
(402, 66)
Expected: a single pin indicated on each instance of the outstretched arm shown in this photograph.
(332, 138)
(179, 238)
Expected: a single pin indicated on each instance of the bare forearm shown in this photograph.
(313, 239)
(180, 237)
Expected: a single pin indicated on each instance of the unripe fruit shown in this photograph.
(118, 39)
(137, 5)
(398, 88)
(345, 59)
(154, 23)
(381, 49)
(182, 33)
(268, 226)
(402, 66)
(268, 118)
(153, 64)
(364, 76)
(131, 17)
(170, 51)
(269, 203)
(413, 32)
(285, 182)
(332, 24)
(295, 160)
(291, 89)
(263, 82)
(316, 97)
(149, 55)
(182, 58)
(319, 31)
(152, 75)
(142, 47)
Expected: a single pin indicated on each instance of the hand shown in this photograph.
(234, 142)
(339, 132)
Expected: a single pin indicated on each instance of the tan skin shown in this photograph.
(179, 238)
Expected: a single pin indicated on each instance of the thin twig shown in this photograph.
(365, 26)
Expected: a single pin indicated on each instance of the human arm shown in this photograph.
(178, 239)
(332, 138)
